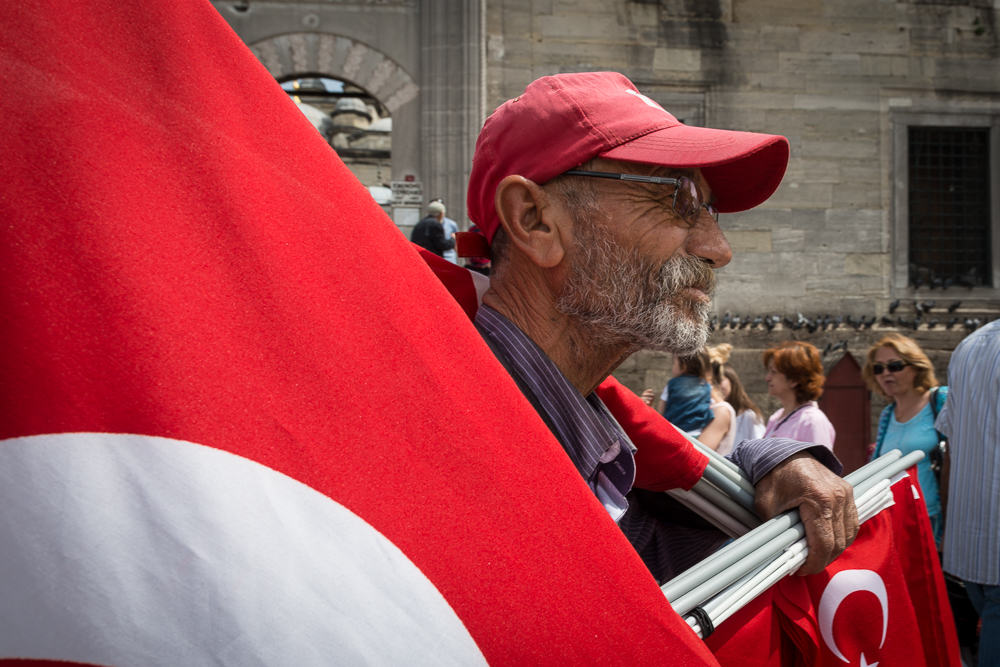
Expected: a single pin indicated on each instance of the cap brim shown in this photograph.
(743, 168)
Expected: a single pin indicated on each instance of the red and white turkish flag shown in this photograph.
(870, 606)
(226, 436)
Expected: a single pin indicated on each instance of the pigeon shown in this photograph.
(937, 282)
(811, 326)
(927, 305)
(886, 320)
(788, 322)
(932, 323)
(827, 349)
(770, 322)
(968, 324)
(735, 323)
(870, 323)
(903, 322)
(893, 306)
(916, 322)
(951, 322)
(725, 320)
(838, 321)
(954, 306)
(756, 322)
(918, 283)
(948, 282)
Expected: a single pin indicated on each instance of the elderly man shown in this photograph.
(601, 210)
(430, 234)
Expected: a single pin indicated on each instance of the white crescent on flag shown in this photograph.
(840, 586)
(305, 581)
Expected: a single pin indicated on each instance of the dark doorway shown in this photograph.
(847, 403)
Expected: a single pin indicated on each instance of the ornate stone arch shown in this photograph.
(313, 53)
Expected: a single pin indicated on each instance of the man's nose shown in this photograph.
(708, 242)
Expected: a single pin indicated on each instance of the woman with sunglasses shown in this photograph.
(899, 370)
(795, 377)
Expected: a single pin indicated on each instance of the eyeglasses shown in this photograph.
(687, 199)
(892, 367)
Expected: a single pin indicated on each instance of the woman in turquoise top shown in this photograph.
(899, 370)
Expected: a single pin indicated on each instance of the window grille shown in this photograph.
(949, 205)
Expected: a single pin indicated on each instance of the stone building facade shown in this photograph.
(861, 89)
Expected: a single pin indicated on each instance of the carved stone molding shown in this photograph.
(312, 53)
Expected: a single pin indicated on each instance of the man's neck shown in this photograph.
(584, 362)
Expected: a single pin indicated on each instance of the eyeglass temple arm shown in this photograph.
(661, 180)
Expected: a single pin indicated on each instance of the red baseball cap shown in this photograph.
(562, 121)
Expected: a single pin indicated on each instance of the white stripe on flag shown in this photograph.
(136, 550)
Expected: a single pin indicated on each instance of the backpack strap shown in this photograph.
(938, 396)
(883, 426)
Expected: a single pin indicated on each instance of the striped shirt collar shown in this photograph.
(590, 435)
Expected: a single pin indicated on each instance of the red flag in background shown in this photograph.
(225, 436)
(872, 605)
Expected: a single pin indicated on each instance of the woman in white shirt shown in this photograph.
(720, 434)
(749, 418)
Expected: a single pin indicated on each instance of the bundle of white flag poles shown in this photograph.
(719, 586)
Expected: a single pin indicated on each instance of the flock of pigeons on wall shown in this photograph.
(827, 322)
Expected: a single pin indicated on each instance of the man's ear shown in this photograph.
(534, 220)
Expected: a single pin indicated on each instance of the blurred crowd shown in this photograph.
(706, 399)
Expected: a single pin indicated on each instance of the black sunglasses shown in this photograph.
(687, 199)
(892, 367)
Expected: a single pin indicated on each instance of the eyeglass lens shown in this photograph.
(892, 367)
(687, 200)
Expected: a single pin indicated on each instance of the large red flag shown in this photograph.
(225, 436)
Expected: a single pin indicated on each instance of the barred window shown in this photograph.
(949, 206)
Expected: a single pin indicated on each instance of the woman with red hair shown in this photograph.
(795, 377)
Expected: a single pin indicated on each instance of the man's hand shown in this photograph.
(825, 503)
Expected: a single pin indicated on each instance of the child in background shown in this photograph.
(687, 398)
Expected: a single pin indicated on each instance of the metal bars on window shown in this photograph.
(949, 205)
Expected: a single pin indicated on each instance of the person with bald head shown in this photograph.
(601, 212)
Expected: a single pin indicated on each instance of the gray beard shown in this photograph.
(619, 298)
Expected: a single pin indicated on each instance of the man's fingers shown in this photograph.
(831, 526)
(825, 503)
(820, 536)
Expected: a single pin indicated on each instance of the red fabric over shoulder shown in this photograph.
(664, 459)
